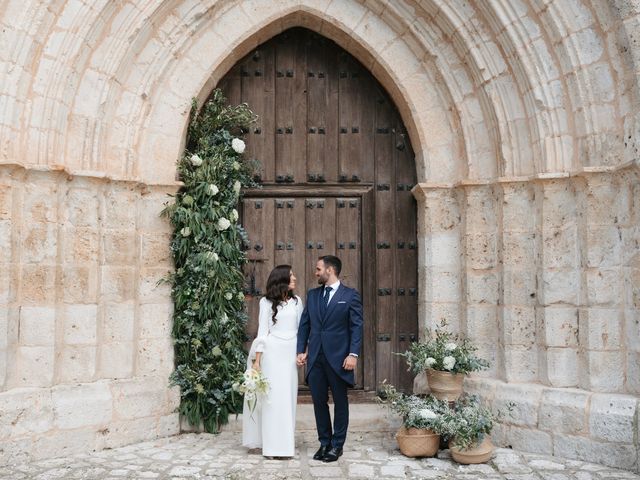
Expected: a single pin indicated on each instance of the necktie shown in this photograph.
(325, 298)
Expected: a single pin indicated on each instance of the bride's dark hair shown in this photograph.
(278, 288)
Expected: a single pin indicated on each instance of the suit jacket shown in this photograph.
(338, 331)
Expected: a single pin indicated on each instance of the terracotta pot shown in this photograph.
(477, 453)
(418, 444)
(444, 385)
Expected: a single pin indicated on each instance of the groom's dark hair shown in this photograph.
(332, 261)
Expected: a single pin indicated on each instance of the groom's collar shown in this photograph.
(334, 286)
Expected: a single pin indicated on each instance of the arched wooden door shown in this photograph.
(337, 169)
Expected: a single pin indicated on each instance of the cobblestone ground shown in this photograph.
(204, 456)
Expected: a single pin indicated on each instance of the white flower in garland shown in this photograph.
(238, 145)
(223, 224)
(196, 161)
(213, 189)
(428, 414)
(224, 319)
(236, 187)
(450, 347)
(240, 296)
(236, 166)
(228, 295)
(216, 351)
(430, 362)
(448, 362)
(185, 232)
(212, 256)
(234, 215)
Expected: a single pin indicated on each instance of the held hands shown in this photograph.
(349, 363)
(256, 365)
(301, 359)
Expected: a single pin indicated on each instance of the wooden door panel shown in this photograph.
(290, 239)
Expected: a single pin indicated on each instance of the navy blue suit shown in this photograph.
(330, 334)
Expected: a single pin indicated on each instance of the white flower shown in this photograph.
(236, 166)
(185, 232)
(234, 215)
(450, 347)
(196, 161)
(430, 361)
(448, 362)
(428, 414)
(228, 295)
(236, 187)
(213, 189)
(223, 224)
(217, 351)
(212, 256)
(238, 145)
(224, 319)
(240, 296)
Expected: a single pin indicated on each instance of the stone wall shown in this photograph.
(85, 347)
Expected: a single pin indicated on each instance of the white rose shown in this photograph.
(212, 256)
(240, 296)
(450, 347)
(228, 295)
(213, 189)
(236, 187)
(236, 166)
(234, 215)
(428, 414)
(238, 145)
(430, 361)
(217, 351)
(448, 362)
(224, 319)
(185, 232)
(223, 224)
(196, 161)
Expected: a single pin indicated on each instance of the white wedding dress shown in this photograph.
(272, 424)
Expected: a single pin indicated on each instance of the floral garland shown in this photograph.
(209, 317)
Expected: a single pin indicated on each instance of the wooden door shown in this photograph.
(337, 170)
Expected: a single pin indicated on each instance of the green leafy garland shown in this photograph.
(209, 316)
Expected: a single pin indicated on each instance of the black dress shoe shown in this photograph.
(322, 451)
(332, 455)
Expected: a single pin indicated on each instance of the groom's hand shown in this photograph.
(301, 359)
(350, 362)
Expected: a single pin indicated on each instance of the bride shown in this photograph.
(271, 425)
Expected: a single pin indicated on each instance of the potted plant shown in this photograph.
(446, 358)
(467, 425)
(422, 424)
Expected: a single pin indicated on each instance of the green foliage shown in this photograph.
(468, 421)
(209, 315)
(416, 412)
(444, 351)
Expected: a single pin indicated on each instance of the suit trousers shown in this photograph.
(321, 378)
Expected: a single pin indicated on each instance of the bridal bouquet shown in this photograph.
(251, 385)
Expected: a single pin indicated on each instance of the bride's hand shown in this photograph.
(256, 366)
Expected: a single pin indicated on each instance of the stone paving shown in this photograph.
(368, 455)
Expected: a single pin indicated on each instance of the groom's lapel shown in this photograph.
(334, 301)
(317, 307)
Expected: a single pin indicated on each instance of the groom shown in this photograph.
(329, 339)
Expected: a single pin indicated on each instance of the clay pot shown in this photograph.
(477, 453)
(444, 385)
(416, 444)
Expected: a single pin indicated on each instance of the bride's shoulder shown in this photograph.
(265, 301)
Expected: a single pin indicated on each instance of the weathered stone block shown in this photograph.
(483, 288)
(560, 286)
(600, 328)
(81, 207)
(37, 205)
(564, 411)
(518, 249)
(118, 283)
(633, 372)
(77, 364)
(35, 366)
(481, 209)
(442, 286)
(529, 440)
(559, 326)
(6, 249)
(560, 247)
(168, 425)
(607, 203)
(6, 201)
(632, 288)
(62, 444)
(518, 403)
(518, 206)
(155, 251)
(481, 251)
(559, 204)
(620, 455)
(604, 287)
(561, 367)
(80, 245)
(80, 324)
(37, 325)
(116, 360)
(119, 434)
(519, 287)
(150, 290)
(155, 356)
(80, 284)
(118, 323)
(139, 397)
(605, 371)
(38, 284)
(88, 404)
(519, 325)
(520, 363)
(604, 246)
(613, 417)
(39, 243)
(120, 247)
(149, 208)
(25, 411)
(120, 211)
(155, 320)
(442, 211)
